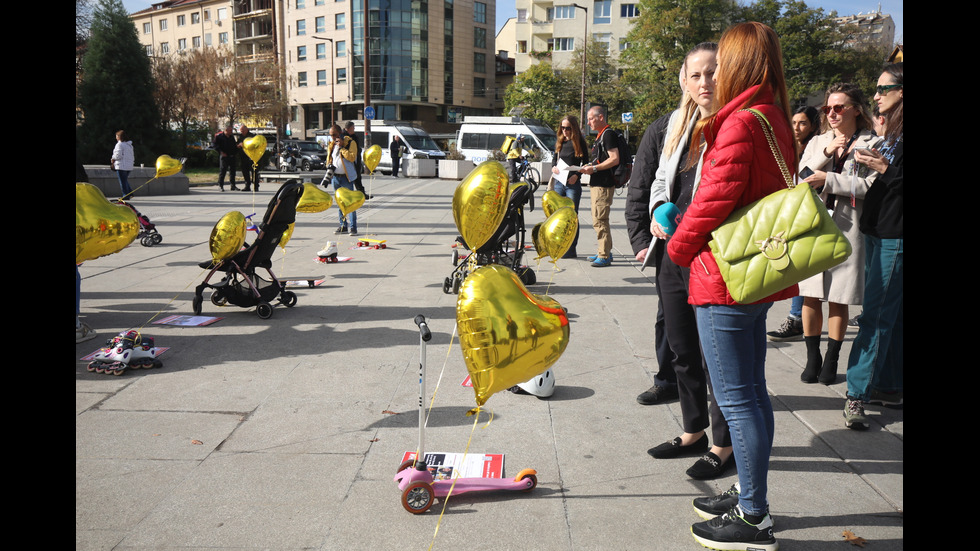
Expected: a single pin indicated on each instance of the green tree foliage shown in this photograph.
(543, 93)
(116, 91)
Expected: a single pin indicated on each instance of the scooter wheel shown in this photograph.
(418, 497)
(530, 476)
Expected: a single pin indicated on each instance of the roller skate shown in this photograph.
(329, 252)
(126, 350)
(144, 355)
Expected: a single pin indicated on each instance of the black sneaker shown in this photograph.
(790, 330)
(657, 394)
(732, 532)
(341, 229)
(710, 507)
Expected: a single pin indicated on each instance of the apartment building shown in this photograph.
(171, 27)
(874, 28)
(430, 62)
(553, 29)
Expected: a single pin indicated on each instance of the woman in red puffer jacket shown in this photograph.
(739, 167)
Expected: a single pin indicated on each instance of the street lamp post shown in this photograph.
(585, 48)
(333, 117)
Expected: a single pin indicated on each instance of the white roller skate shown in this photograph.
(126, 350)
(329, 252)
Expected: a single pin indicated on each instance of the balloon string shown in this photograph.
(445, 500)
(131, 193)
(171, 301)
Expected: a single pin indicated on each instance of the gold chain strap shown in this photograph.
(767, 130)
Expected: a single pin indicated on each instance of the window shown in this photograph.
(603, 40)
(181, 44)
(164, 48)
(479, 12)
(207, 39)
(479, 37)
(181, 20)
(163, 24)
(300, 27)
(561, 44)
(321, 24)
(207, 15)
(522, 16)
(479, 87)
(222, 38)
(300, 4)
(341, 75)
(564, 12)
(195, 18)
(196, 41)
(321, 51)
(147, 28)
(341, 48)
(222, 13)
(601, 11)
(479, 62)
(340, 21)
(522, 46)
(623, 45)
(629, 10)
(301, 79)
(321, 77)
(300, 53)
(149, 51)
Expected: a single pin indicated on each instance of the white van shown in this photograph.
(418, 142)
(480, 136)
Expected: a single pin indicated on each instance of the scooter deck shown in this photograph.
(310, 280)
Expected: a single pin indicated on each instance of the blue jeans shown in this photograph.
(573, 192)
(123, 176)
(877, 355)
(341, 181)
(733, 339)
(796, 308)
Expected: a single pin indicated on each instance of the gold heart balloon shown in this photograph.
(554, 236)
(349, 200)
(167, 166)
(228, 236)
(286, 235)
(254, 147)
(101, 227)
(313, 199)
(552, 201)
(372, 156)
(507, 334)
(480, 203)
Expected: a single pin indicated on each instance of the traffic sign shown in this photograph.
(627, 117)
(369, 113)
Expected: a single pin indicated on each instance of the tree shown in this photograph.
(543, 93)
(116, 91)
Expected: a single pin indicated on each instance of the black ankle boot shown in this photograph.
(814, 360)
(828, 372)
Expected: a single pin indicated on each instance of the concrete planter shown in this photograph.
(454, 170)
(419, 168)
(104, 178)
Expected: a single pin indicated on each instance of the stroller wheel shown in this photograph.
(264, 310)
(218, 299)
(418, 497)
(455, 257)
(527, 276)
(457, 281)
(157, 239)
(447, 286)
(288, 299)
(196, 304)
(147, 241)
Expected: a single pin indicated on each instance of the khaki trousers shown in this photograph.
(601, 198)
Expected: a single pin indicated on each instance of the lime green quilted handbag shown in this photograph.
(781, 239)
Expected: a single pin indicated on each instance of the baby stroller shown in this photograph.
(497, 249)
(241, 285)
(148, 235)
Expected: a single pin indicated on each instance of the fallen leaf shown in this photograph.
(850, 538)
(374, 440)
(389, 412)
(197, 442)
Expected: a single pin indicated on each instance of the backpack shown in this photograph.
(622, 172)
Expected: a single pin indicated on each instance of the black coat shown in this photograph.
(638, 192)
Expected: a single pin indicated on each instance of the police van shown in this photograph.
(479, 137)
(416, 140)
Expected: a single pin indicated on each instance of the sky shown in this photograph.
(506, 9)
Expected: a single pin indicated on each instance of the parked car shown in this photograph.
(312, 155)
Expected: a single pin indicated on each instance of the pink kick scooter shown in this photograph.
(416, 483)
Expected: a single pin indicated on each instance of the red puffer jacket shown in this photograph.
(739, 168)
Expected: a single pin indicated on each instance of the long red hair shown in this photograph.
(748, 54)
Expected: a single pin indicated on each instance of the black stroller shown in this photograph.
(240, 285)
(496, 250)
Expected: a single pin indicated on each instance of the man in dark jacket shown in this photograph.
(638, 226)
(227, 148)
(247, 166)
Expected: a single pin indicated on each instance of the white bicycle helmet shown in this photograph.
(542, 386)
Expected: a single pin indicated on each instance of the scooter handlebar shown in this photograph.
(423, 328)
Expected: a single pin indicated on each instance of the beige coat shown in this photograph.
(844, 283)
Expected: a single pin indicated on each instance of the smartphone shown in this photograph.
(806, 173)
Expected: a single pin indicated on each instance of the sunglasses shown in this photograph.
(564, 128)
(836, 109)
(884, 89)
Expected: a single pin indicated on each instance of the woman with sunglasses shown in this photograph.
(572, 149)
(842, 183)
(739, 167)
(876, 363)
(676, 181)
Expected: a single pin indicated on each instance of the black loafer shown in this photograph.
(673, 448)
(710, 466)
(657, 394)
